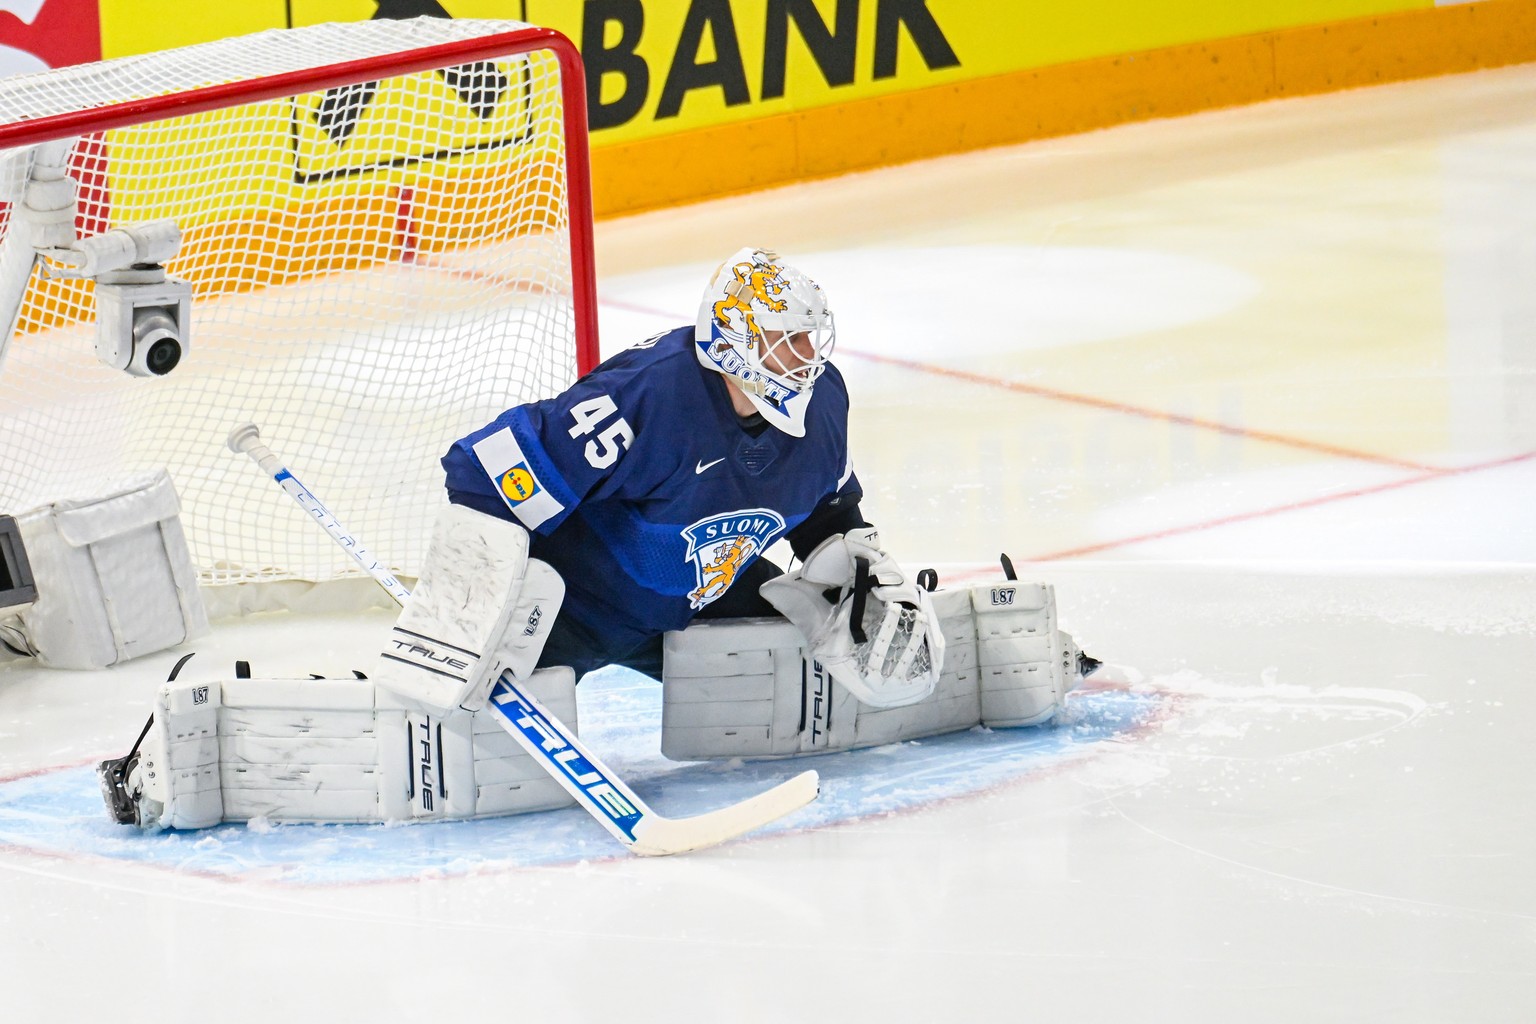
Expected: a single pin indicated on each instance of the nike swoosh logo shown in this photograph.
(702, 466)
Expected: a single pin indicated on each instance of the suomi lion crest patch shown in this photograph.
(721, 546)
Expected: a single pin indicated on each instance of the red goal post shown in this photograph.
(387, 231)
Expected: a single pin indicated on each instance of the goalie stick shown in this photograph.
(546, 739)
(247, 440)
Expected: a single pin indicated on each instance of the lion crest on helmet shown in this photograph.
(751, 283)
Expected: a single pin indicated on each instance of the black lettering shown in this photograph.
(425, 765)
(890, 16)
(833, 50)
(725, 72)
(619, 59)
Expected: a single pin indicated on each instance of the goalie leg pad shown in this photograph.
(745, 688)
(1027, 665)
(750, 687)
(481, 606)
(330, 750)
(174, 780)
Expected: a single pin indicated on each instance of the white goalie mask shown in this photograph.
(769, 326)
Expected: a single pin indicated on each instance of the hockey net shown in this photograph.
(386, 227)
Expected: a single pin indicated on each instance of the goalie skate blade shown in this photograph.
(656, 836)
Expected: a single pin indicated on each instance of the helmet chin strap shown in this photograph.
(738, 394)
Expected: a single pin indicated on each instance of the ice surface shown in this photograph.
(60, 812)
(1253, 389)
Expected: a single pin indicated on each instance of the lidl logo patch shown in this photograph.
(518, 483)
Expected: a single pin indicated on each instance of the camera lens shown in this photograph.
(157, 345)
(163, 356)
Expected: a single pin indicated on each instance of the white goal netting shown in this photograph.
(377, 266)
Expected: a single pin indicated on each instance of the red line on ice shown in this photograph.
(1426, 473)
(1293, 506)
(1058, 395)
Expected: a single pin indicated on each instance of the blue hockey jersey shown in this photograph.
(646, 491)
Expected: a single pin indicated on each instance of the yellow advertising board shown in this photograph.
(693, 98)
(144, 26)
(657, 67)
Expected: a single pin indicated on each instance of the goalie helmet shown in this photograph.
(752, 312)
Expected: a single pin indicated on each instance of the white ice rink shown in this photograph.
(1255, 389)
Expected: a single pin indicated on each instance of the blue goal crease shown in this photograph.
(61, 813)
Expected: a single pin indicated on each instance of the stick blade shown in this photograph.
(659, 837)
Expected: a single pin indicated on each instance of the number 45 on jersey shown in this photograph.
(611, 440)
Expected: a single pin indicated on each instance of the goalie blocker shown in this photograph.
(749, 687)
(481, 607)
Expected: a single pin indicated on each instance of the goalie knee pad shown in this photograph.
(325, 750)
(481, 606)
(751, 688)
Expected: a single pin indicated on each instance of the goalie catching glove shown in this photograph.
(481, 607)
(870, 627)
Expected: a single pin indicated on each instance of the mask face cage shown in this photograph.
(773, 318)
(793, 349)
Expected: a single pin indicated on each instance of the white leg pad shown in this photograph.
(334, 750)
(178, 772)
(745, 687)
(748, 687)
(1027, 664)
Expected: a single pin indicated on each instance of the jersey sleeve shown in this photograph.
(543, 459)
(838, 512)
